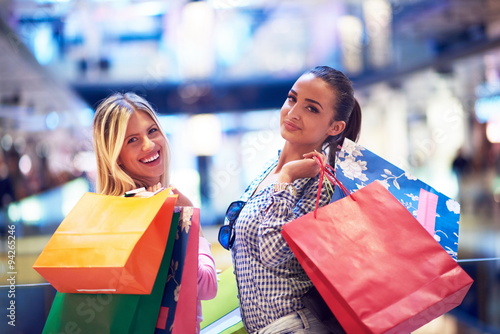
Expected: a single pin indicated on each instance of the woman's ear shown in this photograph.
(336, 128)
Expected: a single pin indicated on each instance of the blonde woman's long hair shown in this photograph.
(109, 127)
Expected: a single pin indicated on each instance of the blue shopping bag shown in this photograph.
(357, 167)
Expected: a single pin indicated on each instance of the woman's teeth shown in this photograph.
(153, 158)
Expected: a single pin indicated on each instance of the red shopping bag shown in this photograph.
(375, 266)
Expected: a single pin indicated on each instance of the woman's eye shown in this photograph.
(313, 109)
(291, 98)
(153, 130)
(131, 140)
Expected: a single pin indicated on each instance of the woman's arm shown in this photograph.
(207, 276)
(284, 208)
(286, 205)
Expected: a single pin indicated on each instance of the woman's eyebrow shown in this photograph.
(315, 102)
(308, 100)
(131, 135)
(153, 125)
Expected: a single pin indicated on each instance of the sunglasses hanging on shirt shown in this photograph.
(226, 232)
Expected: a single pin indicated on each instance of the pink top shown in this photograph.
(207, 276)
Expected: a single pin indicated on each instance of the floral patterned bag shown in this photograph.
(356, 167)
(179, 305)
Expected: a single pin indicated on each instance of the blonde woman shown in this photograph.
(132, 152)
(117, 135)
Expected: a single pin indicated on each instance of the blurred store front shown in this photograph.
(427, 75)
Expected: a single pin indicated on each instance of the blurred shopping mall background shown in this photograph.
(426, 72)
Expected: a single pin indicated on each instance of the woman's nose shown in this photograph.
(294, 112)
(148, 144)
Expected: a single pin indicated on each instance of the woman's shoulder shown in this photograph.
(266, 169)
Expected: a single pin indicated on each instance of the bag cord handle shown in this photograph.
(329, 172)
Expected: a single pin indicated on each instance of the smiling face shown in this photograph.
(143, 155)
(307, 116)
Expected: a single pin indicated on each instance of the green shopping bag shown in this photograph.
(111, 313)
(221, 315)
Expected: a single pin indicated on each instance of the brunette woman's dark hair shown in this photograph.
(346, 108)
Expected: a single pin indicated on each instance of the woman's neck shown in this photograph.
(292, 152)
(148, 182)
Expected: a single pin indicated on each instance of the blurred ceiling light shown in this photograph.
(44, 46)
(85, 117)
(493, 130)
(486, 108)
(31, 210)
(7, 142)
(25, 164)
(204, 134)
(71, 193)
(14, 212)
(232, 36)
(52, 120)
(196, 52)
(446, 118)
(351, 39)
(378, 18)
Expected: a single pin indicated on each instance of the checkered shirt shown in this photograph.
(270, 279)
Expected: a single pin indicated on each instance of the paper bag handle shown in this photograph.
(329, 172)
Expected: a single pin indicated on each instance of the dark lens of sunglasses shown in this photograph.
(234, 210)
(224, 236)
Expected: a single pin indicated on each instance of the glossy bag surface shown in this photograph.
(108, 244)
(374, 264)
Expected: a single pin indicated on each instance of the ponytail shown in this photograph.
(351, 131)
(353, 126)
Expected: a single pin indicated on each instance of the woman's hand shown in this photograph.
(155, 188)
(298, 169)
(182, 200)
(150, 191)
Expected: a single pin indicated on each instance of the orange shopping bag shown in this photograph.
(109, 244)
